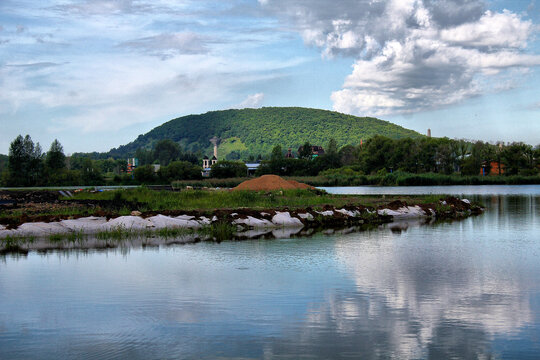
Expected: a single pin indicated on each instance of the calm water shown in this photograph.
(467, 289)
(448, 189)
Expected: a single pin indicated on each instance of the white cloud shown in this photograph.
(412, 55)
(252, 101)
(492, 29)
(167, 45)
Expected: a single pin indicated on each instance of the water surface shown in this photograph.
(466, 289)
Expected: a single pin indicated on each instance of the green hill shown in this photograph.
(257, 131)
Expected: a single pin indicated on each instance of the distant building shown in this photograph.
(252, 168)
(132, 163)
(289, 154)
(316, 150)
(207, 164)
(493, 168)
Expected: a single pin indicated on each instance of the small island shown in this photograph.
(40, 220)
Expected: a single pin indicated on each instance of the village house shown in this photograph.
(316, 150)
(493, 168)
(207, 164)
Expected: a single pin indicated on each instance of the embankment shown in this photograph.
(187, 226)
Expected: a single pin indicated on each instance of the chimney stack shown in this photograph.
(215, 141)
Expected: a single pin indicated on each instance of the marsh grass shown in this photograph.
(223, 199)
(219, 231)
(14, 243)
(173, 232)
(117, 233)
(56, 237)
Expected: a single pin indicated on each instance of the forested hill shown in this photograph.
(257, 131)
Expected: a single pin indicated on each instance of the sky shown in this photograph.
(95, 74)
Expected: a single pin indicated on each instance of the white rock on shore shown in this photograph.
(404, 212)
(254, 222)
(41, 228)
(348, 213)
(306, 216)
(86, 224)
(162, 221)
(285, 219)
(127, 222)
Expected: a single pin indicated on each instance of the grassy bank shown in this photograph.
(116, 203)
(353, 178)
(150, 200)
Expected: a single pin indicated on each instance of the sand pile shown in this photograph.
(271, 182)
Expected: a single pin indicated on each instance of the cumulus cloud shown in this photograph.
(411, 55)
(252, 101)
(167, 45)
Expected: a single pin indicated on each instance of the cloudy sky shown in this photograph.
(97, 73)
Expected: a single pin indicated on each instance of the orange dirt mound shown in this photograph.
(271, 182)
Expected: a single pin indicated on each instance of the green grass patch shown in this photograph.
(222, 199)
(219, 231)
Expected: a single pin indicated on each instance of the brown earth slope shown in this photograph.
(271, 182)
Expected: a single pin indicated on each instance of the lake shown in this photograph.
(464, 289)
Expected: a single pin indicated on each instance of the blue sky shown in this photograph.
(95, 74)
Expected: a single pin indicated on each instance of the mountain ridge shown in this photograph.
(257, 131)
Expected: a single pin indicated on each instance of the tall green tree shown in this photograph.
(376, 153)
(91, 173)
(25, 162)
(305, 151)
(276, 161)
(180, 170)
(166, 151)
(55, 159)
(348, 155)
(227, 169)
(145, 156)
(145, 174)
(517, 156)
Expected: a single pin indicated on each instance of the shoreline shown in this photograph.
(220, 224)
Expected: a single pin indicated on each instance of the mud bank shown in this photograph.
(248, 223)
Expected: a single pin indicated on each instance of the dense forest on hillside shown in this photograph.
(253, 132)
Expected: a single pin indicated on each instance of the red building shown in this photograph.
(492, 168)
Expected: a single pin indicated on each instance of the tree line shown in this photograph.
(28, 165)
(381, 155)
